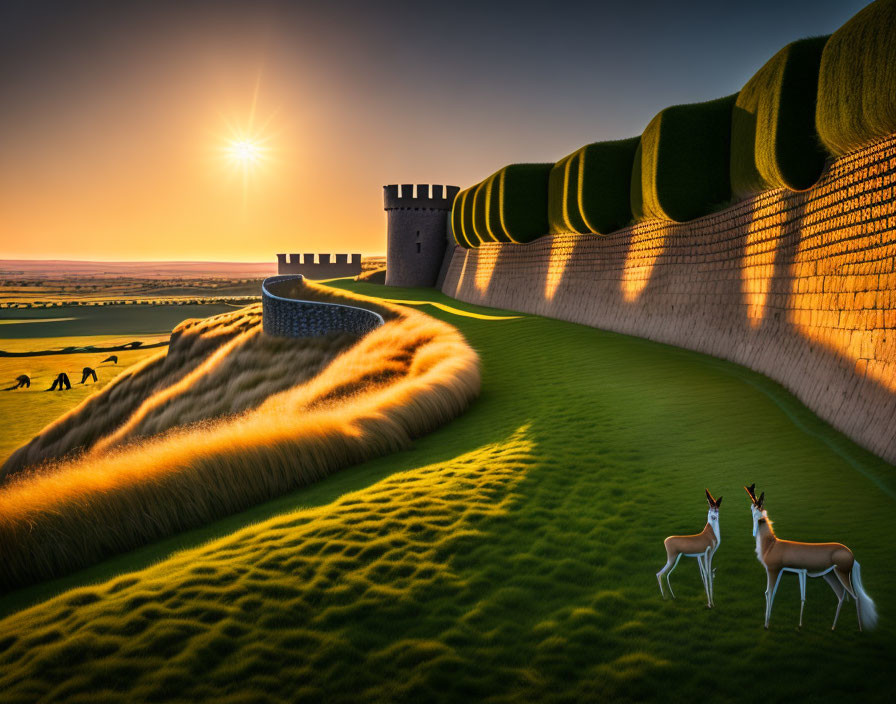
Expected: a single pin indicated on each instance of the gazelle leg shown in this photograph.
(839, 591)
(774, 577)
(711, 577)
(669, 574)
(844, 578)
(701, 564)
(707, 557)
(659, 575)
(802, 576)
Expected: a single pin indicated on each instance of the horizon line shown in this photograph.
(159, 261)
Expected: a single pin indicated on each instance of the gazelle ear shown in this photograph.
(760, 501)
(712, 501)
(751, 492)
(718, 502)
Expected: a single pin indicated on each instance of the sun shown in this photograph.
(245, 152)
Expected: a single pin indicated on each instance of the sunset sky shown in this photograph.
(116, 116)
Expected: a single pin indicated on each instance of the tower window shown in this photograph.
(418, 248)
(418, 234)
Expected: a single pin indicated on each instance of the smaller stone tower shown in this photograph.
(417, 232)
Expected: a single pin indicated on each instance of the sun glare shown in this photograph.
(245, 152)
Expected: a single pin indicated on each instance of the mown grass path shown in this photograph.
(509, 556)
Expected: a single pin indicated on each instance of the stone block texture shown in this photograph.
(798, 286)
(285, 315)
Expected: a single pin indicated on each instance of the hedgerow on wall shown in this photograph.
(857, 81)
(519, 202)
(773, 139)
(589, 190)
(461, 223)
(816, 97)
(681, 165)
(485, 209)
(511, 205)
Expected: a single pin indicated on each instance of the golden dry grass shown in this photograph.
(373, 276)
(398, 382)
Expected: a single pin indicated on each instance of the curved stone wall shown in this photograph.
(285, 315)
(798, 286)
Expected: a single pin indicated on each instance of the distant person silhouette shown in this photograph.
(111, 358)
(86, 373)
(61, 381)
(24, 380)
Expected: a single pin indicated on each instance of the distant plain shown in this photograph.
(42, 310)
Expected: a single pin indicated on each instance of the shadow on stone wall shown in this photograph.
(798, 286)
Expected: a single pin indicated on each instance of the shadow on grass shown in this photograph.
(516, 560)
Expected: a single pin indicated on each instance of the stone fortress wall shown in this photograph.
(284, 314)
(324, 268)
(417, 235)
(800, 286)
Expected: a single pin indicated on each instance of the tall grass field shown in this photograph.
(507, 556)
(227, 417)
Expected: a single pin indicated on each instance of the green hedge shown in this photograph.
(461, 219)
(519, 203)
(509, 206)
(857, 81)
(485, 207)
(589, 190)
(681, 165)
(773, 139)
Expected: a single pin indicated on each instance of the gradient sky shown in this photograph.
(113, 115)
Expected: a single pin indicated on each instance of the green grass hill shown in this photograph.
(508, 556)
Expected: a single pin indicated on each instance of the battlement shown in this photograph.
(324, 268)
(409, 196)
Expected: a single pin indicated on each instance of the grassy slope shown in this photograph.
(250, 418)
(508, 555)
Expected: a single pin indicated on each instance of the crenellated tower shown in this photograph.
(417, 232)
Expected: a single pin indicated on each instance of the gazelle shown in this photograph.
(807, 559)
(702, 546)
